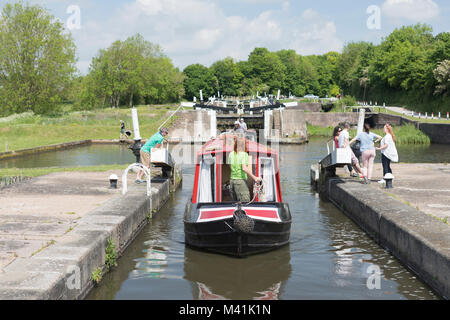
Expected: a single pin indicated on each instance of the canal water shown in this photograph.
(328, 257)
(93, 155)
(90, 155)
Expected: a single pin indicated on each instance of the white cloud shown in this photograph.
(412, 10)
(198, 31)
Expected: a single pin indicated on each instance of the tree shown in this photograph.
(199, 77)
(442, 75)
(268, 68)
(228, 76)
(37, 60)
(129, 72)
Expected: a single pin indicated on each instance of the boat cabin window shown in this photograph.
(206, 189)
(267, 173)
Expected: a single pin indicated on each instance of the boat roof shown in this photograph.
(225, 143)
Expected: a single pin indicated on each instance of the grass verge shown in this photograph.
(27, 130)
(407, 134)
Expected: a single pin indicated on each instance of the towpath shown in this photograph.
(425, 187)
(36, 213)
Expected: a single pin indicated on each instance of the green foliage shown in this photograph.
(111, 255)
(129, 72)
(37, 60)
(229, 77)
(199, 77)
(96, 275)
(407, 134)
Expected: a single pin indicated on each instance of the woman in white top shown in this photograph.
(388, 150)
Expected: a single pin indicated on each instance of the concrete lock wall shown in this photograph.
(287, 122)
(438, 132)
(306, 106)
(193, 126)
(330, 119)
(417, 240)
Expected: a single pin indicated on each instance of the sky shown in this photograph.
(204, 31)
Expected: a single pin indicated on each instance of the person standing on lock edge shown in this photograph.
(388, 150)
(122, 130)
(367, 148)
(154, 142)
(344, 137)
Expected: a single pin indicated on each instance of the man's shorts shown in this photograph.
(239, 191)
(145, 158)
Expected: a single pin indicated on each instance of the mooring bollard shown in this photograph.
(113, 181)
(388, 177)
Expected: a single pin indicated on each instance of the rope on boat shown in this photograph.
(258, 190)
(241, 221)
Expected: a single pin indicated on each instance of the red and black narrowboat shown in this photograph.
(213, 222)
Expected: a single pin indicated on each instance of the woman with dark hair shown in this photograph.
(336, 132)
(240, 168)
(367, 149)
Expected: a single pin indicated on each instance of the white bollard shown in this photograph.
(134, 116)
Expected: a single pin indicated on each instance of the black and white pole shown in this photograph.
(388, 177)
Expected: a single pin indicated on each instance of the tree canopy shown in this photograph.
(128, 72)
(37, 60)
(409, 67)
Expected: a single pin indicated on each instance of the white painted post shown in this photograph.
(439, 115)
(201, 95)
(362, 116)
(278, 95)
(213, 123)
(134, 116)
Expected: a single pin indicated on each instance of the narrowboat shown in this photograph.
(214, 222)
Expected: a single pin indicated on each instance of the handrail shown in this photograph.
(146, 171)
(328, 146)
(180, 107)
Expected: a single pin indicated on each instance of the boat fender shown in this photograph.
(242, 222)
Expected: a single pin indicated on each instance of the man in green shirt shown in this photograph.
(154, 142)
(240, 168)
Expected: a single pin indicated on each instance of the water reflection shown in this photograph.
(253, 278)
